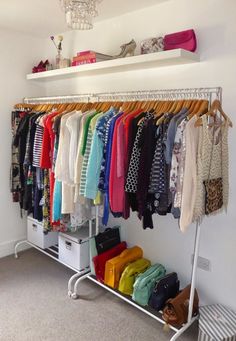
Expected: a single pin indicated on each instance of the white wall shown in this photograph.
(214, 22)
(18, 54)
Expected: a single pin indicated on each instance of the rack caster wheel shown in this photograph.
(74, 296)
(70, 293)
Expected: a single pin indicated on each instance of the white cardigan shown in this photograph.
(190, 174)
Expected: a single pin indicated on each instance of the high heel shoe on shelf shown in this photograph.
(42, 66)
(127, 49)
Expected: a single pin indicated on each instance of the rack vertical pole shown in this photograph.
(97, 220)
(194, 270)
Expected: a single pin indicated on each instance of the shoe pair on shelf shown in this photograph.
(41, 67)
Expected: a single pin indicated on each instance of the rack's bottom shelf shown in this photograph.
(51, 252)
(147, 310)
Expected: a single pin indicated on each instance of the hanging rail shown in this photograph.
(58, 99)
(199, 93)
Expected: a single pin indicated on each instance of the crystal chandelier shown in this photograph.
(80, 13)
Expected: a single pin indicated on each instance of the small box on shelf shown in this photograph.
(88, 57)
(74, 248)
(36, 235)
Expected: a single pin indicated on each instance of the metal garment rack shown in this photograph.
(208, 93)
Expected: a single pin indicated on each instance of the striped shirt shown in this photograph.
(87, 153)
(38, 141)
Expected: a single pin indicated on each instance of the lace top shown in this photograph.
(211, 167)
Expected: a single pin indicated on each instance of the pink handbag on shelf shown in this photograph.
(181, 40)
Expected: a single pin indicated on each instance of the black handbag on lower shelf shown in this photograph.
(166, 288)
(107, 239)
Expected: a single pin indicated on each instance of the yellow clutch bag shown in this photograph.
(115, 266)
(129, 274)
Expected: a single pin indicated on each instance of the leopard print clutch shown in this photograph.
(214, 195)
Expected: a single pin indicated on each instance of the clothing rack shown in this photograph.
(208, 93)
(170, 94)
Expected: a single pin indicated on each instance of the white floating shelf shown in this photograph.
(145, 61)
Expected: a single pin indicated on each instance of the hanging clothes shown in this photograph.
(16, 184)
(64, 163)
(96, 155)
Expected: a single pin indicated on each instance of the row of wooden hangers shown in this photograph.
(195, 107)
(158, 106)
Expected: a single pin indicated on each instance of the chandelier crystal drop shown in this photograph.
(80, 13)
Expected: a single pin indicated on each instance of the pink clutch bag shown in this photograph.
(181, 40)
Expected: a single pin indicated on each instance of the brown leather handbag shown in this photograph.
(176, 309)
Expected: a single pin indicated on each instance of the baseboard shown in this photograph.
(8, 248)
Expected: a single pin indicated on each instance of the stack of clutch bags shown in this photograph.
(125, 269)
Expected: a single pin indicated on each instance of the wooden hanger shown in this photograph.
(189, 103)
(24, 106)
(216, 106)
(83, 106)
(145, 106)
(124, 105)
(99, 106)
(173, 106)
(167, 105)
(200, 108)
(141, 105)
(61, 106)
(159, 108)
(43, 107)
(162, 110)
(38, 107)
(192, 106)
(178, 107)
(119, 104)
(156, 104)
(78, 106)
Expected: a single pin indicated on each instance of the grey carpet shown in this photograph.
(34, 306)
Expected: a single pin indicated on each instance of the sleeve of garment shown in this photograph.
(189, 191)
(85, 134)
(73, 144)
(120, 150)
(18, 131)
(84, 138)
(56, 214)
(45, 161)
(175, 161)
(58, 170)
(79, 157)
(94, 166)
(107, 174)
(169, 141)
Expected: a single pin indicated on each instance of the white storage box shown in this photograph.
(74, 248)
(36, 236)
(217, 323)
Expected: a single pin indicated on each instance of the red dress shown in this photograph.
(47, 157)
